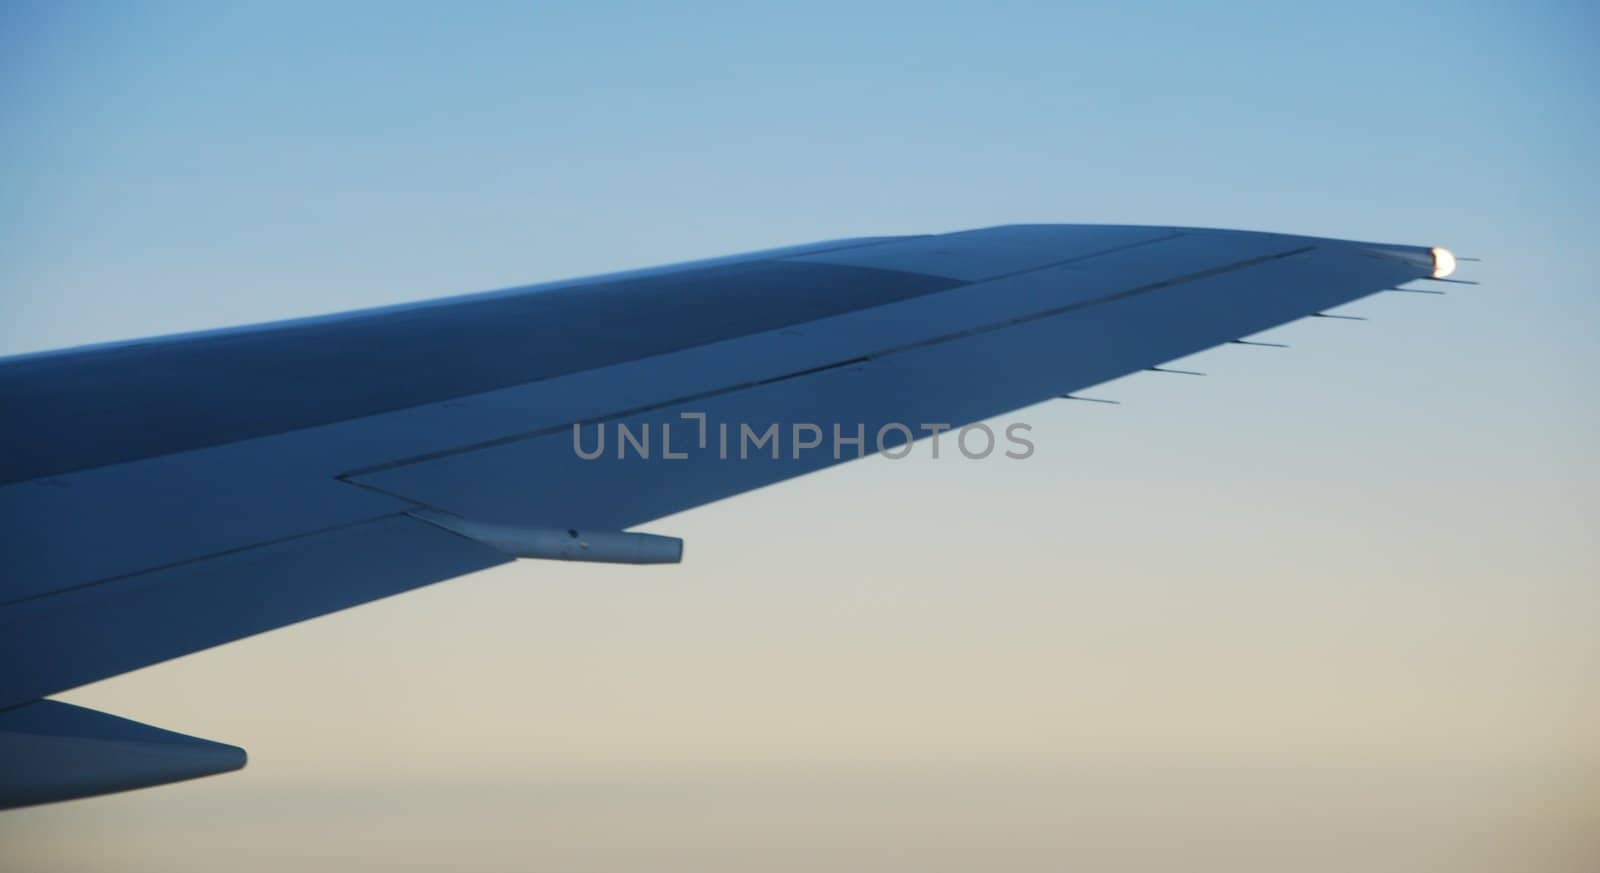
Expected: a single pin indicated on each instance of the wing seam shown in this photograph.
(549, 430)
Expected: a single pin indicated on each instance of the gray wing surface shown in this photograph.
(163, 496)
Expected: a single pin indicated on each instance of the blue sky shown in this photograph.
(173, 166)
(1374, 548)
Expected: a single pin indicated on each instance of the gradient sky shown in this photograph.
(1342, 593)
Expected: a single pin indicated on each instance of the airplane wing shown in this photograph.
(162, 496)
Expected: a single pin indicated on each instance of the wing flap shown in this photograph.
(69, 639)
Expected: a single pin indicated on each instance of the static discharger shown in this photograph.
(1089, 399)
(1245, 342)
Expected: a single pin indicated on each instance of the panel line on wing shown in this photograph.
(5, 607)
(347, 476)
